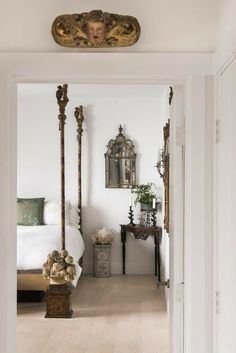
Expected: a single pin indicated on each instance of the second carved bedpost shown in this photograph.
(62, 101)
(79, 118)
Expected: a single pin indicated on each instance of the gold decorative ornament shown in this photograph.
(59, 268)
(95, 29)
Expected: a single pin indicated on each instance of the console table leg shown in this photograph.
(123, 239)
(156, 256)
(158, 262)
(123, 257)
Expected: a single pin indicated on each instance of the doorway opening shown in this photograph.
(113, 104)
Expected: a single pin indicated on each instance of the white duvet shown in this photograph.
(36, 242)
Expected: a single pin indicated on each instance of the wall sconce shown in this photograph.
(160, 163)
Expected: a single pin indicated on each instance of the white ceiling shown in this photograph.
(94, 91)
(166, 25)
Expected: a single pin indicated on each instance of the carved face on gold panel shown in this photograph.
(96, 31)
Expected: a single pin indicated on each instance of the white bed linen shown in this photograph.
(36, 242)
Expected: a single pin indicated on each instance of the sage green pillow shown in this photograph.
(30, 211)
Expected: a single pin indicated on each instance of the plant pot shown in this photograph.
(146, 206)
(102, 260)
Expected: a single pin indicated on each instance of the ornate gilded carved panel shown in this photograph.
(95, 29)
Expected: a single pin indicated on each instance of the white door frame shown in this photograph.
(176, 226)
(198, 268)
(216, 206)
(26, 68)
(176, 329)
(220, 339)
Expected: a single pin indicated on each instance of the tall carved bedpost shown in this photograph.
(79, 118)
(59, 268)
(62, 101)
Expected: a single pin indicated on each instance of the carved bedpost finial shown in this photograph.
(79, 116)
(120, 128)
(62, 100)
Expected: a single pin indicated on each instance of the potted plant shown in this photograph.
(145, 195)
(102, 240)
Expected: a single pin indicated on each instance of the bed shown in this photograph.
(35, 242)
(33, 246)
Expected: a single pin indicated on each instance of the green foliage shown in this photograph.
(145, 193)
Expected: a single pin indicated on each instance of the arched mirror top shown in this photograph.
(120, 147)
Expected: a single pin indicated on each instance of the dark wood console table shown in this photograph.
(141, 232)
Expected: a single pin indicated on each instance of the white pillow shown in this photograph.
(74, 216)
(52, 212)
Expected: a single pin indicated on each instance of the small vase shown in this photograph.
(145, 218)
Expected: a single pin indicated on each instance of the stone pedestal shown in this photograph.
(102, 260)
(58, 301)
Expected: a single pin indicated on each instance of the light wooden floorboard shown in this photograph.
(120, 314)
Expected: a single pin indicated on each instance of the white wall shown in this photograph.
(226, 43)
(166, 26)
(139, 110)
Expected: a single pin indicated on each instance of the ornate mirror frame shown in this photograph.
(120, 163)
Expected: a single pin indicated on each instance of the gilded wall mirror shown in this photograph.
(163, 168)
(120, 162)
